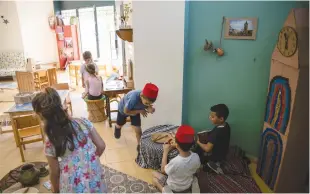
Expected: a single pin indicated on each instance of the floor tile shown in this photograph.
(118, 155)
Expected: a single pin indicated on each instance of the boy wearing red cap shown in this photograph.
(133, 104)
(181, 169)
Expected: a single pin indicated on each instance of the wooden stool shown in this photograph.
(96, 110)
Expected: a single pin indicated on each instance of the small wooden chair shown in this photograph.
(64, 86)
(117, 99)
(27, 127)
(41, 79)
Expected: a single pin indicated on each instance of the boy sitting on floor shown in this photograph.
(216, 148)
(181, 169)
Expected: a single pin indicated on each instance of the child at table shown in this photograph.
(181, 169)
(94, 84)
(133, 104)
(87, 56)
(72, 147)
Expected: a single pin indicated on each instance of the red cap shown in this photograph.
(185, 134)
(150, 91)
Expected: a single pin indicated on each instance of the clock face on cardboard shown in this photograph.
(287, 41)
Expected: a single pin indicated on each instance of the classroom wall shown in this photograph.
(158, 40)
(38, 39)
(239, 78)
(10, 35)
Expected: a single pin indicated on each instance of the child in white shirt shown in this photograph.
(181, 169)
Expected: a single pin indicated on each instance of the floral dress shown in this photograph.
(80, 170)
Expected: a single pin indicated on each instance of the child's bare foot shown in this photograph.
(157, 184)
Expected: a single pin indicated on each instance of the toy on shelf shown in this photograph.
(67, 44)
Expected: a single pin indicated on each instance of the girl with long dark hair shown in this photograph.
(72, 147)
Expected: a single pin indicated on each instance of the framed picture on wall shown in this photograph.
(240, 28)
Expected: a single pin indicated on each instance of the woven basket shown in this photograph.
(96, 110)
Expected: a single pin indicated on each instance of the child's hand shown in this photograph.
(172, 143)
(167, 147)
(150, 109)
(144, 113)
(198, 141)
(99, 151)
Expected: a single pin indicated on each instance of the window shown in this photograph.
(88, 31)
(97, 32)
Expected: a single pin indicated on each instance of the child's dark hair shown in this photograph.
(91, 69)
(186, 147)
(150, 99)
(221, 111)
(58, 126)
(87, 55)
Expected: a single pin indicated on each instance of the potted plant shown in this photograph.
(124, 18)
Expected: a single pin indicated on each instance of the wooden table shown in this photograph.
(113, 93)
(25, 79)
(24, 109)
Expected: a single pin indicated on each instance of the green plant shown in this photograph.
(126, 11)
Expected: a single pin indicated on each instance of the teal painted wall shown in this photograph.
(240, 78)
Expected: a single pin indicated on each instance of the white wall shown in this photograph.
(38, 39)
(158, 28)
(10, 35)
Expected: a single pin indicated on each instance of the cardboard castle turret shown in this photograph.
(284, 153)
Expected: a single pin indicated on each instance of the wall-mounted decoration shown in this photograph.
(209, 45)
(278, 105)
(51, 22)
(59, 21)
(287, 41)
(271, 150)
(60, 36)
(68, 42)
(240, 28)
(5, 21)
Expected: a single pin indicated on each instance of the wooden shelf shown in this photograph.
(125, 34)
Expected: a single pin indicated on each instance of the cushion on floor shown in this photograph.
(236, 179)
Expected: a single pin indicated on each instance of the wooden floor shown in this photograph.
(119, 154)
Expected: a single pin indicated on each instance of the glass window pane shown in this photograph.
(88, 30)
(105, 19)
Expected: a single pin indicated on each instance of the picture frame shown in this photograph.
(240, 28)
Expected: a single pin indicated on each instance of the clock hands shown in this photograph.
(286, 40)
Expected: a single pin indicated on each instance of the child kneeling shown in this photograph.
(181, 169)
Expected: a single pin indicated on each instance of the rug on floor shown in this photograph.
(118, 182)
